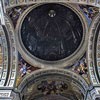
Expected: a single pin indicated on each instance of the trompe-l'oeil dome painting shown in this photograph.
(49, 49)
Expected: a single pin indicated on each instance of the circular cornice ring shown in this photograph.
(60, 63)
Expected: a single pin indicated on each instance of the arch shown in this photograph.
(36, 76)
(28, 2)
(92, 56)
(9, 65)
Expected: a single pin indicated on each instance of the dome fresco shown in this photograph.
(49, 49)
(51, 32)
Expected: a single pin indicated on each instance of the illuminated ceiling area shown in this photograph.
(49, 50)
